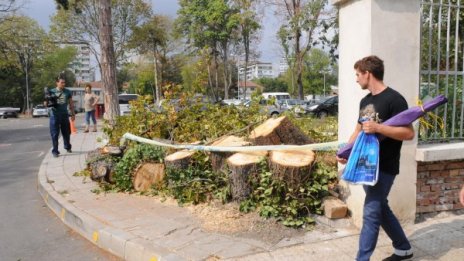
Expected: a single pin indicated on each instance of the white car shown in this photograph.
(40, 111)
(124, 100)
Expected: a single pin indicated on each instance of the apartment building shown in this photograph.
(81, 66)
(256, 70)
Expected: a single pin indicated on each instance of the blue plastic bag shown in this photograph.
(363, 164)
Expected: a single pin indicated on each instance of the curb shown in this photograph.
(115, 241)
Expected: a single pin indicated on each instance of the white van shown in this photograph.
(277, 95)
(124, 106)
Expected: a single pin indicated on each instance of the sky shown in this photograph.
(42, 10)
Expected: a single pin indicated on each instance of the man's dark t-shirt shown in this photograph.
(381, 107)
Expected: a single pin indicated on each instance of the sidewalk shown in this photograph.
(139, 228)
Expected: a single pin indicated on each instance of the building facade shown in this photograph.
(81, 66)
(255, 70)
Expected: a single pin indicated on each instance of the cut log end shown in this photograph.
(179, 160)
(147, 175)
(293, 158)
(278, 131)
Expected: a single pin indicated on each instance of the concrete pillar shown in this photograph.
(389, 29)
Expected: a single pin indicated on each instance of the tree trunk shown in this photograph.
(218, 159)
(277, 131)
(108, 63)
(101, 165)
(179, 160)
(292, 167)
(242, 167)
(147, 175)
(157, 90)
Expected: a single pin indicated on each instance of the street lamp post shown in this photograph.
(324, 82)
(27, 82)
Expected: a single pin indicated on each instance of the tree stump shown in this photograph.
(179, 160)
(242, 167)
(101, 165)
(112, 150)
(292, 167)
(147, 175)
(275, 131)
(218, 159)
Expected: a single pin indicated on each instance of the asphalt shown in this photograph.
(136, 227)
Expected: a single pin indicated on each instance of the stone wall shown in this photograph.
(438, 185)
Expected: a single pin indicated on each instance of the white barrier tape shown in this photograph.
(334, 145)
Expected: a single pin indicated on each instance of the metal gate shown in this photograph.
(442, 68)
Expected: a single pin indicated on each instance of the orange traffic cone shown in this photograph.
(73, 127)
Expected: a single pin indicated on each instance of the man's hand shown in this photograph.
(461, 195)
(341, 160)
(370, 126)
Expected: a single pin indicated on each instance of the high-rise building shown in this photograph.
(81, 66)
(283, 66)
(256, 70)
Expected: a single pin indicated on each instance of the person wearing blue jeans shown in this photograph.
(90, 101)
(59, 115)
(379, 105)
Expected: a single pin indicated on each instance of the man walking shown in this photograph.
(59, 115)
(379, 105)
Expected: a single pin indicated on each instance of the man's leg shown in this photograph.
(376, 198)
(66, 132)
(54, 133)
(393, 228)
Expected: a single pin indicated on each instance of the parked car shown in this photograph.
(9, 112)
(236, 102)
(325, 108)
(40, 111)
(124, 106)
(297, 106)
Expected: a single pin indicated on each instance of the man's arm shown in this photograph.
(394, 132)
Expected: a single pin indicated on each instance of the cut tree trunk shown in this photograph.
(103, 169)
(277, 131)
(292, 167)
(218, 159)
(101, 165)
(147, 175)
(243, 166)
(112, 150)
(179, 160)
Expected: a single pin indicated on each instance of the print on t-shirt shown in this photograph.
(369, 113)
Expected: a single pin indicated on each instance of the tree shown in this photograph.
(48, 67)
(208, 27)
(248, 28)
(20, 48)
(305, 26)
(108, 62)
(108, 59)
(80, 22)
(152, 37)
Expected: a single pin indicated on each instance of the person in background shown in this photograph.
(379, 105)
(90, 101)
(59, 116)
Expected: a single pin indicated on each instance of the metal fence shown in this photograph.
(442, 68)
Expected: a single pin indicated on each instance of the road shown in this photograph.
(28, 229)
